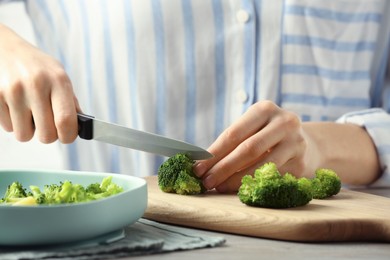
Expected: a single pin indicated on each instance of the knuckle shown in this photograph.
(41, 77)
(232, 135)
(5, 120)
(65, 125)
(62, 121)
(266, 106)
(302, 142)
(222, 170)
(299, 167)
(67, 139)
(16, 90)
(223, 166)
(37, 81)
(250, 149)
(291, 120)
(48, 137)
(57, 71)
(7, 126)
(24, 136)
(60, 75)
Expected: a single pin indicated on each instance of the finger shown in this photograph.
(22, 124)
(233, 183)
(20, 114)
(78, 107)
(281, 155)
(65, 107)
(39, 101)
(289, 155)
(247, 153)
(5, 119)
(251, 122)
(44, 120)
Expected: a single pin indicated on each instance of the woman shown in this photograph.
(267, 80)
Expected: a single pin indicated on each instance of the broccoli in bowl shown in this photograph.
(64, 192)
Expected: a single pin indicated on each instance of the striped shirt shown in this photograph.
(188, 69)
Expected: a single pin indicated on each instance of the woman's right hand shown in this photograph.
(36, 94)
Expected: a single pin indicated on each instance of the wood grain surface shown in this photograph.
(348, 216)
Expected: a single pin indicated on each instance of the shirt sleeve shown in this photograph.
(377, 124)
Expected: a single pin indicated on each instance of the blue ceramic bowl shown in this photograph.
(55, 224)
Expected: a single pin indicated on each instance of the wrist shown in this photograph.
(345, 148)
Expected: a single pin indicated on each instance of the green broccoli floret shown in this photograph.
(14, 193)
(36, 193)
(72, 193)
(105, 189)
(269, 189)
(64, 192)
(93, 188)
(186, 184)
(176, 175)
(50, 193)
(268, 171)
(325, 184)
(305, 185)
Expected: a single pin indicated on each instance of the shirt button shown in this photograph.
(242, 96)
(242, 16)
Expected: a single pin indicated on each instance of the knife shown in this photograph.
(91, 128)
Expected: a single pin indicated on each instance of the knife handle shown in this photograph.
(85, 126)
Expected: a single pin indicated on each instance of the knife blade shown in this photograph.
(91, 128)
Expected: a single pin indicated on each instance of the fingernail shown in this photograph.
(209, 182)
(199, 169)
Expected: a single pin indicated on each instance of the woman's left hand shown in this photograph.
(265, 133)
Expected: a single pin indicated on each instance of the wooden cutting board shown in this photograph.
(348, 216)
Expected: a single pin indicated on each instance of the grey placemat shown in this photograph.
(143, 237)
